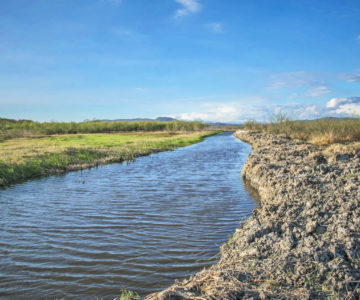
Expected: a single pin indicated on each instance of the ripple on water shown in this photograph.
(137, 226)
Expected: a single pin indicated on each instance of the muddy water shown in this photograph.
(137, 226)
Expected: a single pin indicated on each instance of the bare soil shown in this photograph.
(302, 242)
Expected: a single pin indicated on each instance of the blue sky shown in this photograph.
(212, 60)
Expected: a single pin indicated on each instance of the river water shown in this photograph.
(137, 226)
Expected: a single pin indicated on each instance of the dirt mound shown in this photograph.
(302, 242)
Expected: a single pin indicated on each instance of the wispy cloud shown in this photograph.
(115, 2)
(319, 91)
(215, 27)
(127, 34)
(307, 84)
(188, 7)
(358, 37)
(345, 106)
(316, 80)
(123, 32)
(351, 77)
(295, 80)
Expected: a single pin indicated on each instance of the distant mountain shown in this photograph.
(337, 118)
(165, 119)
(333, 119)
(13, 120)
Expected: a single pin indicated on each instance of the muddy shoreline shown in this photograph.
(302, 242)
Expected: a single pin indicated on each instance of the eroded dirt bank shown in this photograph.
(302, 242)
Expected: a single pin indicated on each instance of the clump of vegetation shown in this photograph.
(26, 128)
(128, 295)
(321, 132)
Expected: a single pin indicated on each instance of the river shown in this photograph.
(137, 225)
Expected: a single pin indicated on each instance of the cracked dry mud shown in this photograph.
(302, 242)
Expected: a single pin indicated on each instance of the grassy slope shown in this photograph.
(25, 158)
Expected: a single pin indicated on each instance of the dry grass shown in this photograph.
(322, 132)
(334, 149)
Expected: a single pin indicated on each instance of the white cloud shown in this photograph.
(358, 37)
(337, 102)
(191, 116)
(188, 7)
(261, 109)
(349, 109)
(227, 112)
(345, 106)
(309, 111)
(215, 27)
(250, 109)
(319, 91)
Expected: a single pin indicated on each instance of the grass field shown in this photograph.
(25, 158)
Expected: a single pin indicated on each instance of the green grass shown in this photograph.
(26, 158)
(321, 132)
(128, 295)
(125, 295)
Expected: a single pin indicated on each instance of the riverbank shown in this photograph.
(302, 242)
(26, 158)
